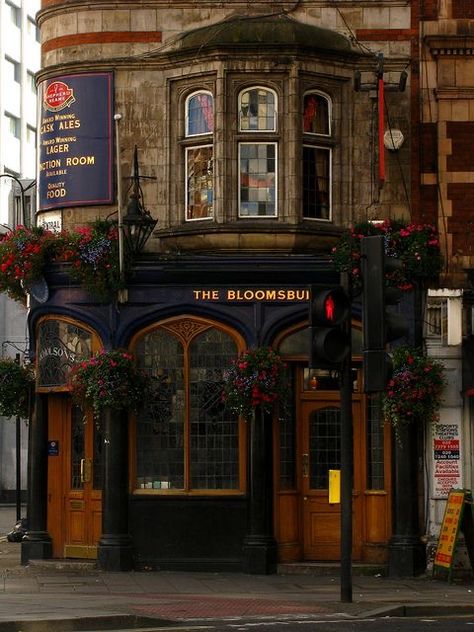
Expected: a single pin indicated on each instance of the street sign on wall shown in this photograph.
(75, 140)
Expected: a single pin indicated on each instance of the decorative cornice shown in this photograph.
(450, 45)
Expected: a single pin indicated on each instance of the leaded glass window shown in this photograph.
(186, 439)
(316, 119)
(316, 182)
(61, 344)
(199, 182)
(375, 443)
(257, 110)
(199, 159)
(287, 425)
(324, 445)
(213, 430)
(258, 179)
(317, 156)
(199, 114)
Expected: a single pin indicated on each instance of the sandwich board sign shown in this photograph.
(458, 516)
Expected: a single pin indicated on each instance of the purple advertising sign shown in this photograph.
(76, 140)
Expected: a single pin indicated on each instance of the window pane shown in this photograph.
(324, 446)
(199, 182)
(316, 182)
(257, 179)
(257, 110)
(160, 427)
(375, 444)
(214, 431)
(316, 114)
(200, 114)
(287, 419)
(61, 345)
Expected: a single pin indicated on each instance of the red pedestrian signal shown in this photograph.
(328, 312)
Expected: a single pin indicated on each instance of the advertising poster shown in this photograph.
(446, 459)
(75, 140)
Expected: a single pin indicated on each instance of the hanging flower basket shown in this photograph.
(93, 252)
(256, 378)
(24, 253)
(417, 245)
(109, 379)
(16, 384)
(414, 392)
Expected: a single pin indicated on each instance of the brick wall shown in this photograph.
(462, 139)
(429, 148)
(461, 223)
(429, 9)
(463, 9)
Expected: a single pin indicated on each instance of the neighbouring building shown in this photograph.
(257, 147)
(19, 61)
(446, 194)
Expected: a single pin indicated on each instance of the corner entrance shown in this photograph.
(74, 479)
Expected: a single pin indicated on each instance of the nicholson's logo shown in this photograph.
(58, 96)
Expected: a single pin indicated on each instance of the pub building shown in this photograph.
(254, 152)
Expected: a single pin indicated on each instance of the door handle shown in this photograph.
(305, 465)
(86, 470)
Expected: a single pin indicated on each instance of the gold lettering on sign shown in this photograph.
(252, 294)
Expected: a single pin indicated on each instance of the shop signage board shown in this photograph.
(75, 140)
(458, 516)
(447, 458)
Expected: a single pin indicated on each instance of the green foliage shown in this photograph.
(109, 379)
(414, 392)
(256, 378)
(16, 384)
(417, 245)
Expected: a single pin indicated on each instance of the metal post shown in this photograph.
(18, 460)
(347, 458)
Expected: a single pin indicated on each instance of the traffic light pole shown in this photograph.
(347, 457)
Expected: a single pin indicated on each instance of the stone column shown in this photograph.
(260, 549)
(115, 550)
(36, 543)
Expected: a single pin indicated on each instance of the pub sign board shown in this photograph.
(75, 140)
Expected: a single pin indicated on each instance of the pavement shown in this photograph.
(55, 596)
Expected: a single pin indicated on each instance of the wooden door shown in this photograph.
(321, 452)
(74, 480)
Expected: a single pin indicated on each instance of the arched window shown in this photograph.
(199, 157)
(258, 158)
(317, 157)
(187, 441)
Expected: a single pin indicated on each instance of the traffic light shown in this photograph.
(380, 326)
(328, 311)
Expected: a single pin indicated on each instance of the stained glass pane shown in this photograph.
(214, 431)
(316, 114)
(257, 179)
(257, 110)
(316, 182)
(160, 426)
(199, 182)
(200, 114)
(60, 346)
